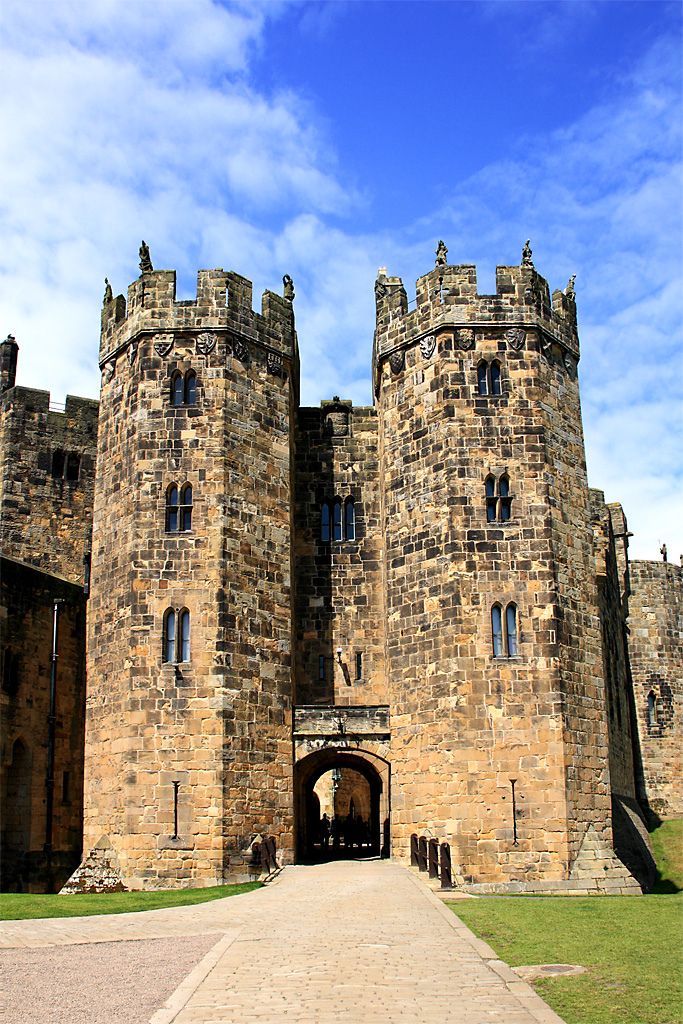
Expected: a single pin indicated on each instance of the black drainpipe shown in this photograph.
(51, 727)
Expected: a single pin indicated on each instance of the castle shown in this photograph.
(421, 599)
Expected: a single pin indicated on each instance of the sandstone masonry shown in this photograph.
(416, 610)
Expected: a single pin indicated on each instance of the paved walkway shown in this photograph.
(359, 943)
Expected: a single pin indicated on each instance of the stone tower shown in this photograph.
(189, 662)
(498, 733)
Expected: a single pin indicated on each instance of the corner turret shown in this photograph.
(9, 352)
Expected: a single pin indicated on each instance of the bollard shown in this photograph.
(414, 856)
(446, 872)
(433, 858)
(422, 853)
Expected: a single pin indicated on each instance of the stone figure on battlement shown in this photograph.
(526, 254)
(108, 294)
(441, 254)
(569, 290)
(288, 288)
(145, 258)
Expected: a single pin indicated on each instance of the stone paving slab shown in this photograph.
(363, 943)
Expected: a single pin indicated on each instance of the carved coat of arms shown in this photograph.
(397, 361)
(163, 343)
(515, 338)
(427, 346)
(206, 342)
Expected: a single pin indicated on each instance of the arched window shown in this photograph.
(186, 508)
(172, 509)
(498, 498)
(505, 505)
(483, 377)
(651, 709)
(177, 389)
(325, 522)
(504, 631)
(337, 523)
(190, 388)
(489, 378)
(168, 643)
(491, 500)
(511, 630)
(497, 630)
(184, 635)
(350, 519)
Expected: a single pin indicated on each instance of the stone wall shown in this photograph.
(47, 475)
(27, 599)
(339, 583)
(208, 736)
(655, 626)
(615, 666)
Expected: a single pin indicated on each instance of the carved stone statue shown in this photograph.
(108, 294)
(441, 254)
(526, 254)
(145, 259)
(288, 288)
(569, 290)
(663, 552)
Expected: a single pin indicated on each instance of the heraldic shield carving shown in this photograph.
(464, 338)
(206, 342)
(163, 343)
(427, 346)
(515, 338)
(397, 361)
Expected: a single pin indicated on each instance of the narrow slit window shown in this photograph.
(169, 636)
(172, 509)
(491, 500)
(350, 517)
(322, 669)
(186, 508)
(511, 630)
(337, 520)
(482, 378)
(185, 635)
(177, 389)
(190, 388)
(325, 522)
(359, 664)
(73, 466)
(505, 506)
(58, 460)
(494, 374)
(497, 631)
(651, 709)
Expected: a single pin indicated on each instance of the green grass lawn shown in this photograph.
(19, 906)
(631, 945)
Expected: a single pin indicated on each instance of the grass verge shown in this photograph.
(630, 945)
(19, 906)
(667, 846)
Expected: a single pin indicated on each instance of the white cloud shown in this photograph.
(121, 124)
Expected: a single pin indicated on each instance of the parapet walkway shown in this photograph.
(360, 943)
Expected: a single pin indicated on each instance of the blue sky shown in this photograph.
(326, 139)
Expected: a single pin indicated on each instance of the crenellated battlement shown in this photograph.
(447, 296)
(223, 303)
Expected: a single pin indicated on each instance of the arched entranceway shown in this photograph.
(342, 805)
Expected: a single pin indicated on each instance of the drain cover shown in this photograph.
(534, 971)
